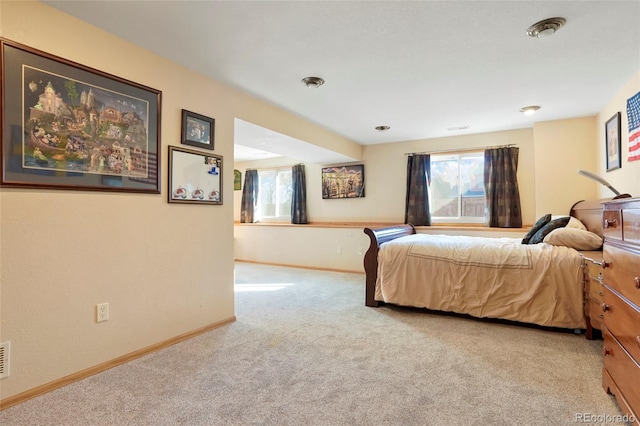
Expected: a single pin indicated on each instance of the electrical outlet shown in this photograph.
(339, 250)
(102, 312)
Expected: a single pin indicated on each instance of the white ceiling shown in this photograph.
(420, 67)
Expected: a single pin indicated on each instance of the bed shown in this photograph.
(498, 278)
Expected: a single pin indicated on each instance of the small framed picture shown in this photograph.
(613, 142)
(237, 180)
(197, 130)
(195, 177)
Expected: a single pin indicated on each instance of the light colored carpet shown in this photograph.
(306, 351)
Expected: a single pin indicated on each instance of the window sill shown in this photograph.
(321, 224)
(470, 227)
(443, 227)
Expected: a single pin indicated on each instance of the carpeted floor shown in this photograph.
(306, 351)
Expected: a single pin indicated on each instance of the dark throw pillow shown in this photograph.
(538, 237)
(536, 227)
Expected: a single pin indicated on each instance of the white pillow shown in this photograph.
(579, 239)
(575, 223)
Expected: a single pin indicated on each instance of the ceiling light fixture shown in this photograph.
(529, 110)
(545, 27)
(313, 82)
(382, 128)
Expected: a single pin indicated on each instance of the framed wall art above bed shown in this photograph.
(68, 126)
(343, 182)
(613, 142)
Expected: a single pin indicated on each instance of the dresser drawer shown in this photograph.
(612, 224)
(623, 321)
(631, 226)
(593, 269)
(596, 294)
(624, 371)
(596, 289)
(623, 272)
(596, 316)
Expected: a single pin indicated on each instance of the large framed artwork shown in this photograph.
(195, 177)
(197, 130)
(68, 126)
(343, 182)
(613, 142)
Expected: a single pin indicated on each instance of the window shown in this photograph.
(457, 188)
(274, 194)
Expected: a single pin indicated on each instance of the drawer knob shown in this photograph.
(606, 264)
(637, 281)
(606, 351)
(610, 223)
(605, 307)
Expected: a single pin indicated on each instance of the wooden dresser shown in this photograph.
(621, 303)
(593, 293)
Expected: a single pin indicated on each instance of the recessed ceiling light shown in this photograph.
(529, 110)
(313, 82)
(546, 27)
(382, 128)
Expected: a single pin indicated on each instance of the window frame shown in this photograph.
(279, 217)
(461, 220)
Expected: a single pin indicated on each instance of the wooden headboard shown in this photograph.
(378, 236)
(589, 212)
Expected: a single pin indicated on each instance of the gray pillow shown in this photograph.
(536, 227)
(538, 237)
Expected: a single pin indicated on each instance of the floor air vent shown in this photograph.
(4, 360)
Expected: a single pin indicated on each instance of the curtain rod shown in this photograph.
(460, 150)
(275, 167)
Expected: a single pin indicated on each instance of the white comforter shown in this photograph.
(483, 277)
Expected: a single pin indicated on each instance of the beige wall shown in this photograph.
(385, 171)
(385, 177)
(626, 179)
(63, 251)
(168, 269)
(338, 248)
(550, 155)
(165, 269)
(561, 148)
(551, 152)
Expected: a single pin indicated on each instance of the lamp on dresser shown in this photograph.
(602, 181)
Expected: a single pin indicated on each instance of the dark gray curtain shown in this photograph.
(501, 188)
(416, 210)
(299, 196)
(249, 197)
